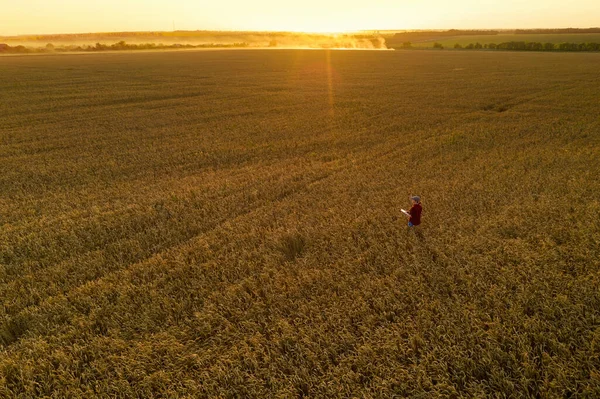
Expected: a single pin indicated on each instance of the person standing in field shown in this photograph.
(414, 214)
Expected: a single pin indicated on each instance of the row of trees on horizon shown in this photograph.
(122, 45)
(518, 46)
(49, 48)
(533, 46)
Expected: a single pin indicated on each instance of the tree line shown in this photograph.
(49, 48)
(529, 46)
(517, 46)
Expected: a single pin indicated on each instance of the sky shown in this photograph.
(76, 16)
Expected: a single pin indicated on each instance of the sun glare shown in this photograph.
(329, 28)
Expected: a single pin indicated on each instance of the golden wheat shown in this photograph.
(227, 224)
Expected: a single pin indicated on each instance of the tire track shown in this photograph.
(13, 329)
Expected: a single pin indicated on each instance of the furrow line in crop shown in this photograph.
(13, 329)
(114, 251)
(7, 325)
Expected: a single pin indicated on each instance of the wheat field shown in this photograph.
(227, 224)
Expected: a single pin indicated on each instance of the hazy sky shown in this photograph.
(70, 16)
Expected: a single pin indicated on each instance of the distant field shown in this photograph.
(227, 224)
(486, 39)
(251, 39)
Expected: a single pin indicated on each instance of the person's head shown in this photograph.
(415, 199)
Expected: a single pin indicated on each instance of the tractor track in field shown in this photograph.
(125, 237)
(7, 325)
(13, 329)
